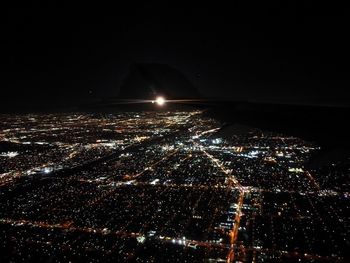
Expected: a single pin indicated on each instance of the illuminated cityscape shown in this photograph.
(165, 186)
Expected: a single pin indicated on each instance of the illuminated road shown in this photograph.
(165, 239)
(312, 180)
(231, 180)
(217, 163)
(151, 166)
(234, 231)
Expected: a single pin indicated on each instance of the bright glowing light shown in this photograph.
(47, 170)
(160, 101)
(141, 239)
(9, 154)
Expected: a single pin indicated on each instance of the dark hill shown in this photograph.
(147, 80)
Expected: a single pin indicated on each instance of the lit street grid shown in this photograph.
(164, 186)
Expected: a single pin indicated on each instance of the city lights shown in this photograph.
(165, 186)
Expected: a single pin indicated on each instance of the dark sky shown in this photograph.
(281, 52)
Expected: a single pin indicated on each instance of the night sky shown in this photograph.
(60, 54)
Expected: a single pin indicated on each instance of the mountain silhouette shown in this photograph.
(148, 80)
